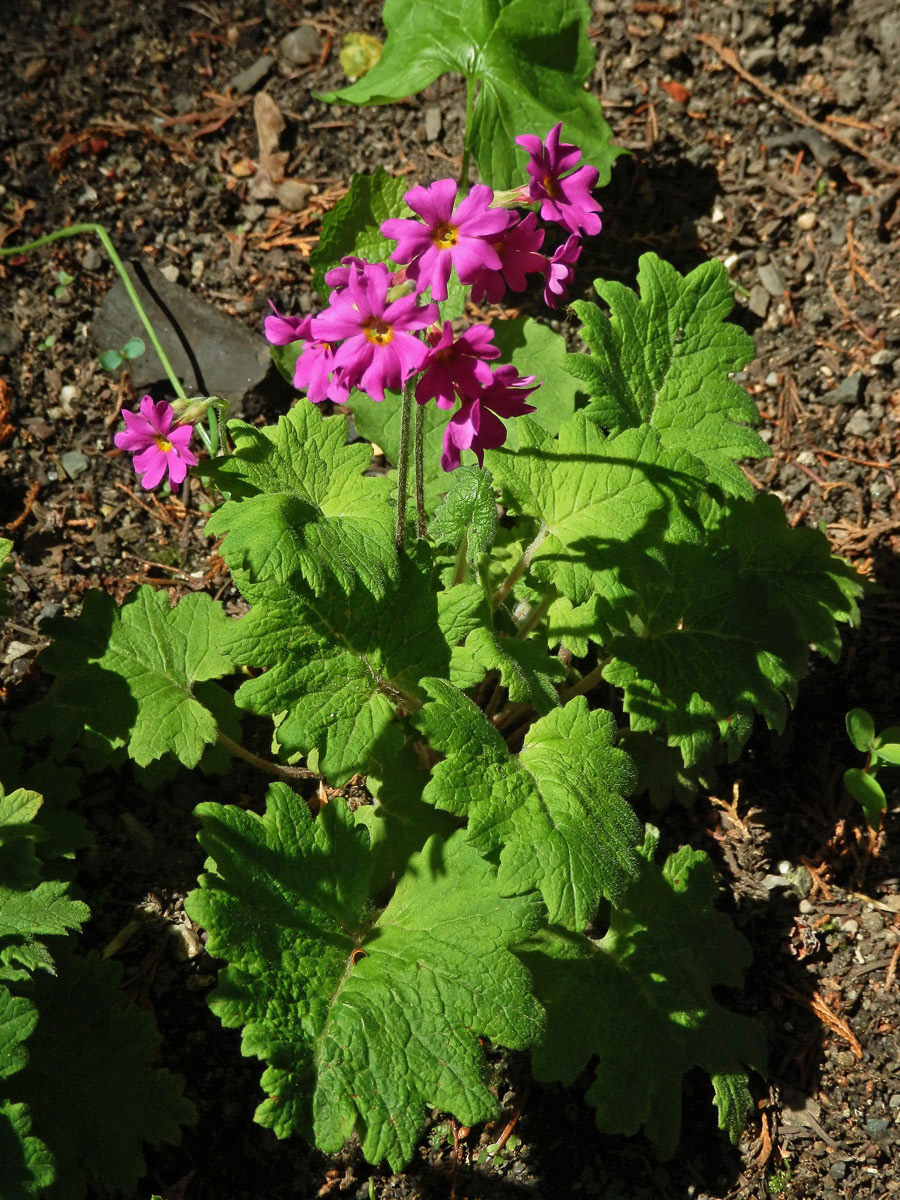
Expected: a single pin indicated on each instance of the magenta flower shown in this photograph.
(339, 277)
(560, 271)
(315, 373)
(380, 350)
(517, 248)
(476, 424)
(282, 330)
(451, 237)
(564, 198)
(456, 368)
(156, 446)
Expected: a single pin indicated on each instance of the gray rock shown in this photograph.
(247, 80)
(211, 352)
(837, 1170)
(877, 1126)
(252, 213)
(293, 195)
(846, 392)
(889, 36)
(74, 463)
(759, 301)
(92, 259)
(859, 425)
(884, 358)
(48, 612)
(16, 650)
(432, 122)
(770, 278)
(759, 58)
(301, 46)
(872, 921)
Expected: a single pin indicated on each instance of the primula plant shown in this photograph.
(585, 605)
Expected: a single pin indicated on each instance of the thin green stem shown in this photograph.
(470, 108)
(106, 242)
(419, 455)
(461, 566)
(406, 405)
(590, 681)
(279, 770)
(520, 568)
(536, 614)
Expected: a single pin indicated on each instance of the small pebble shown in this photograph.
(877, 1126)
(772, 381)
(92, 259)
(432, 122)
(872, 922)
(850, 927)
(301, 46)
(759, 301)
(770, 278)
(170, 272)
(16, 650)
(837, 1170)
(807, 221)
(884, 358)
(247, 80)
(74, 463)
(846, 1058)
(293, 195)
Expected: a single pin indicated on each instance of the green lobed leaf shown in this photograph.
(665, 359)
(89, 1084)
(340, 666)
(364, 1019)
(301, 506)
(705, 633)
(18, 1017)
(129, 675)
(353, 226)
(527, 671)
(642, 1001)
(536, 349)
(26, 1164)
(468, 511)
(530, 62)
(556, 816)
(595, 497)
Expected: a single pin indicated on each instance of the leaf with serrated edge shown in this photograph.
(353, 226)
(18, 1017)
(642, 1001)
(109, 1099)
(593, 496)
(305, 507)
(369, 1040)
(469, 510)
(665, 359)
(340, 666)
(526, 669)
(558, 820)
(535, 349)
(530, 61)
(26, 1164)
(128, 674)
(718, 628)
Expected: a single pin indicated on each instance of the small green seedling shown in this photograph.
(111, 360)
(882, 750)
(65, 282)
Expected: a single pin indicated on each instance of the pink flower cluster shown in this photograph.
(157, 447)
(370, 335)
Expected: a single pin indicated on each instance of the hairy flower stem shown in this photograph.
(419, 454)
(279, 770)
(520, 568)
(536, 614)
(588, 683)
(106, 242)
(461, 566)
(406, 405)
(470, 107)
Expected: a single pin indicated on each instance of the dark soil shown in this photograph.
(126, 114)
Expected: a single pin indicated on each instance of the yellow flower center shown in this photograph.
(378, 331)
(162, 443)
(445, 236)
(551, 186)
